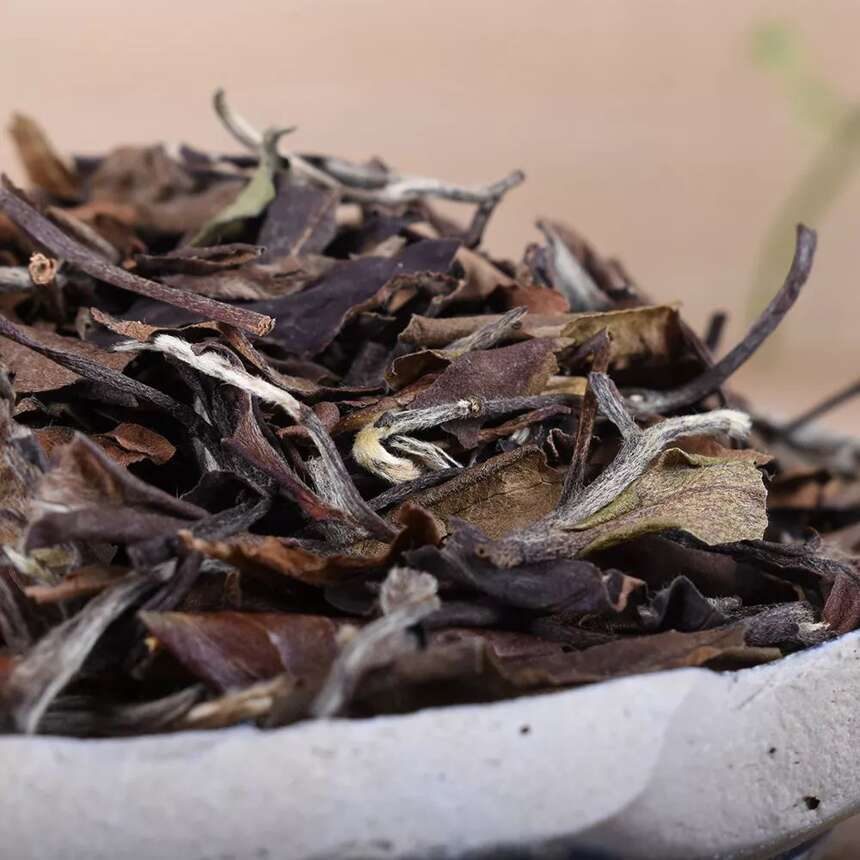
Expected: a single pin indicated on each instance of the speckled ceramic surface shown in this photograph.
(683, 764)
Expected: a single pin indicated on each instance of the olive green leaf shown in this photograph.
(716, 499)
(252, 200)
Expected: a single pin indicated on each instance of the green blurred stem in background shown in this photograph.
(777, 48)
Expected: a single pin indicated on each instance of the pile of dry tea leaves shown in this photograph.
(280, 441)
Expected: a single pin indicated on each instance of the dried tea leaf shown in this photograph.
(406, 368)
(44, 167)
(126, 444)
(789, 625)
(567, 273)
(87, 496)
(83, 474)
(79, 717)
(722, 647)
(407, 597)
(264, 556)
(535, 299)
(842, 609)
(339, 483)
(249, 283)
(147, 432)
(439, 332)
(681, 606)
(135, 443)
(378, 406)
(658, 560)
(682, 491)
(21, 465)
(15, 632)
(571, 588)
(257, 554)
(300, 220)
(507, 492)
(61, 245)
(347, 285)
(189, 260)
(478, 666)
(607, 273)
(52, 662)
(146, 180)
(230, 650)
(511, 371)
(34, 372)
(707, 446)
(143, 333)
(650, 335)
(252, 200)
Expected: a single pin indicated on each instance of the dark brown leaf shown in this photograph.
(87, 496)
(43, 672)
(722, 647)
(59, 244)
(34, 372)
(127, 443)
(160, 191)
(191, 260)
(300, 220)
(230, 650)
(508, 492)
(842, 609)
(511, 371)
(44, 167)
(348, 285)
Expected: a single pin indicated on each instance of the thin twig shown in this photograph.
(44, 273)
(237, 125)
(648, 402)
(401, 492)
(838, 453)
(554, 535)
(252, 138)
(407, 596)
(409, 420)
(54, 660)
(394, 190)
(714, 334)
(408, 189)
(83, 233)
(15, 279)
(13, 628)
(41, 230)
(474, 234)
(488, 335)
(638, 448)
(822, 408)
(574, 480)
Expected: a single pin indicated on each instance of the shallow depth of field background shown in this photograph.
(648, 124)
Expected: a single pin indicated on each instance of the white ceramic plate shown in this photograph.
(681, 764)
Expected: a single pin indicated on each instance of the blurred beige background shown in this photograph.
(645, 123)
